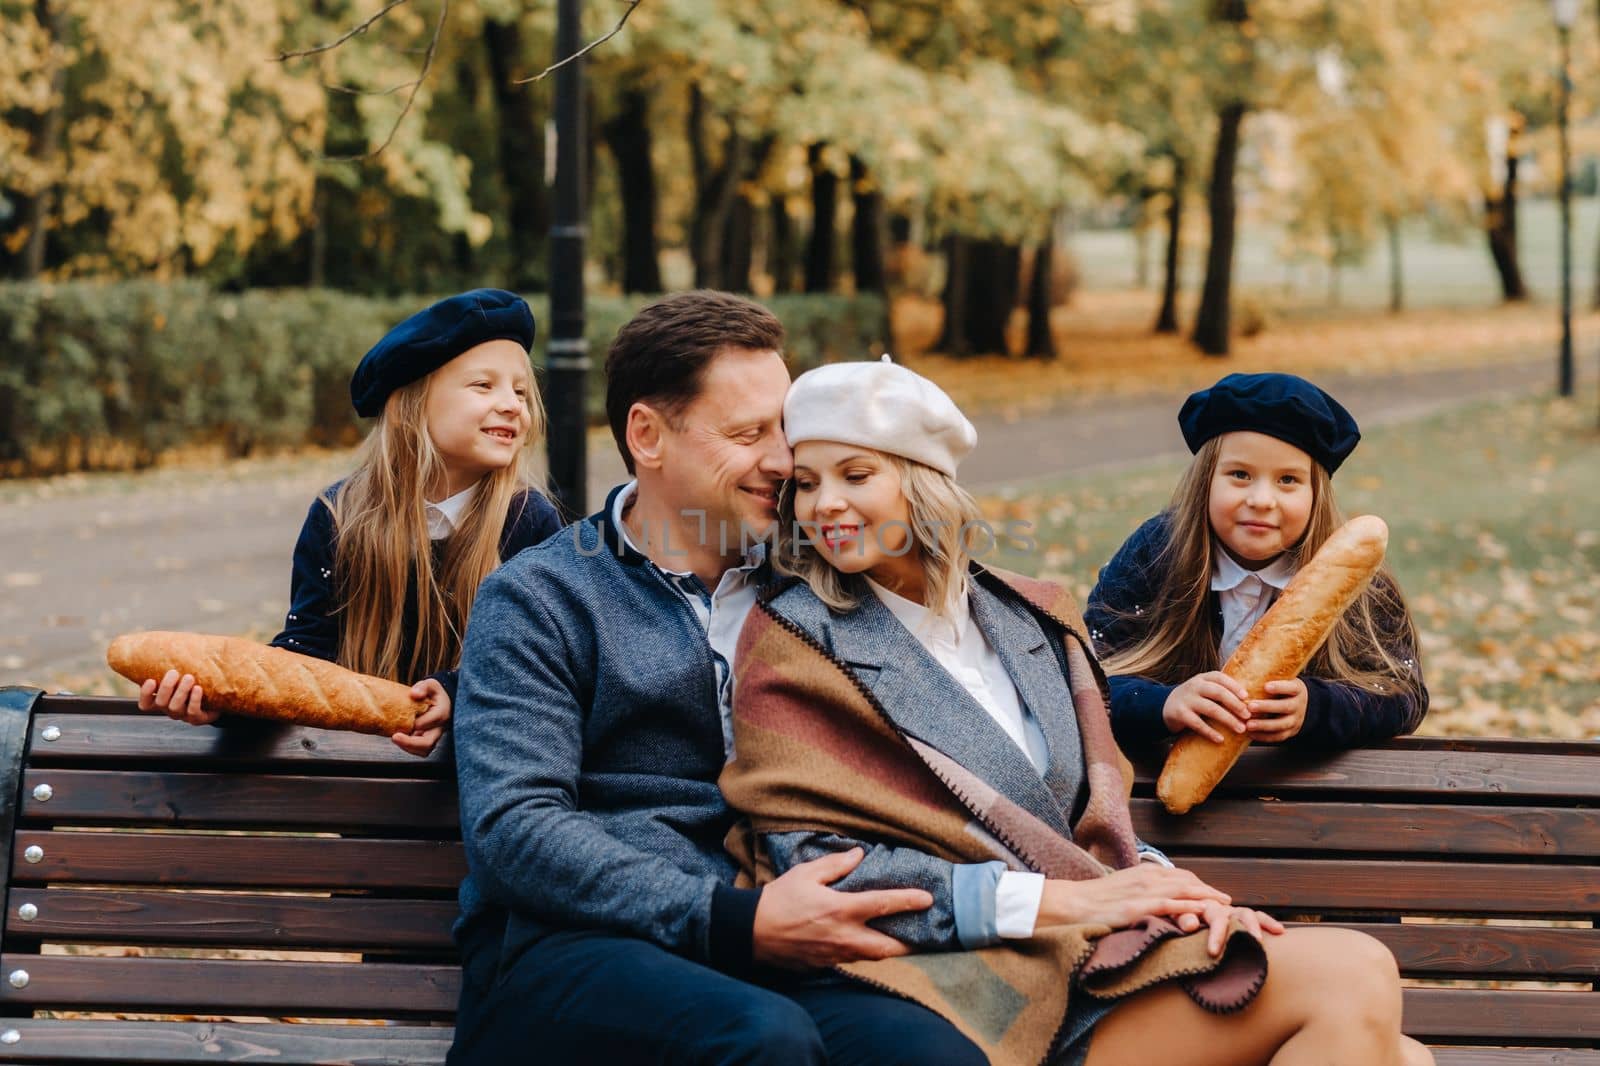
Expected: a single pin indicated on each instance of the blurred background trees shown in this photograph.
(938, 147)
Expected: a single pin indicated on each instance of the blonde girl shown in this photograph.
(939, 726)
(389, 559)
(1184, 589)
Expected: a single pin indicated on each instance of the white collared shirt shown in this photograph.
(958, 645)
(444, 516)
(1244, 595)
(722, 613)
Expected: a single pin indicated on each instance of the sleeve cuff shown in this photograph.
(972, 892)
(1155, 855)
(733, 927)
(1136, 712)
(1016, 904)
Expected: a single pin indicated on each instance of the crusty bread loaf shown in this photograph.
(249, 678)
(1277, 648)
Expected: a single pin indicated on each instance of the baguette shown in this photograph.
(247, 678)
(1278, 647)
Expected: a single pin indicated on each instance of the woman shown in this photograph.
(949, 720)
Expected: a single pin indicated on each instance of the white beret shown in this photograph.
(882, 406)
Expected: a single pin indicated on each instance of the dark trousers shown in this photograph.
(585, 997)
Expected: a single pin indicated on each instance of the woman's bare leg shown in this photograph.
(1332, 998)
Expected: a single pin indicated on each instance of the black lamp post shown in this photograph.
(568, 358)
(1565, 13)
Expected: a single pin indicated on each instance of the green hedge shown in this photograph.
(115, 374)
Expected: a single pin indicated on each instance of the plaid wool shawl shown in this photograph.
(815, 751)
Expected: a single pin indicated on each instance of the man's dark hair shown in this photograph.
(659, 357)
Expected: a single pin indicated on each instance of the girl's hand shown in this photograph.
(1276, 720)
(179, 698)
(1204, 699)
(429, 726)
(1119, 899)
(1215, 915)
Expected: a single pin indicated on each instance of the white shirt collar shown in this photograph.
(920, 620)
(1227, 574)
(444, 516)
(753, 556)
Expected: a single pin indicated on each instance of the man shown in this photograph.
(599, 922)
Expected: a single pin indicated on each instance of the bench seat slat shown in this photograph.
(227, 986)
(246, 861)
(1481, 889)
(1478, 1015)
(240, 743)
(1463, 776)
(1260, 828)
(150, 1043)
(212, 919)
(1495, 952)
(271, 800)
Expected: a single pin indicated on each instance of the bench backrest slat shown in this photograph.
(135, 1043)
(212, 919)
(203, 986)
(1409, 830)
(212, 859)
(266, 801)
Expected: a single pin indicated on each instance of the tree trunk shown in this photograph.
(866, 230)
(1397, 279)
(627, 134)
(40, 207)
(1500, 219)
(824, 212)
(1212, 321)
(714, 194)
(738, 245)
(521, 163)
(1167, 319)
(780, 247)
(954, 340)
(996, 269)
(1041, 344)
(317, 268)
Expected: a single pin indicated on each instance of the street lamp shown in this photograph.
(1565, 13)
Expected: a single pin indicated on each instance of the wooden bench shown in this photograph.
(149, 860)
(1487, 851)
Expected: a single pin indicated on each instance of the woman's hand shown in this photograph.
(178, 697)
(1215, 915)
(1276, 720)
(1122, 898)
(429, 726)
(1206, 698)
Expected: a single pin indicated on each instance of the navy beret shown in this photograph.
(1279, 405)
(432, 337)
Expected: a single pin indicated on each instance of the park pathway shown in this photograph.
(210, 551)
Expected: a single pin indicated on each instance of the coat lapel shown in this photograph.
(1024, 648)
(922, 699)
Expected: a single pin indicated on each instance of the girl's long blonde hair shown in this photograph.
(383, 550)
(1178, 640)
(945, 522)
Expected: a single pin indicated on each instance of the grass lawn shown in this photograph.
(1494, 513)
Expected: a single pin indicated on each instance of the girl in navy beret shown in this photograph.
(390, 559)
(1185, 588)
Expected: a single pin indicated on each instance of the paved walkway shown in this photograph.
(210, 551)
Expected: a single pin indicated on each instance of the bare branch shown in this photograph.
(585, 50)
(363, 28)
(422, 76)
(356, 90)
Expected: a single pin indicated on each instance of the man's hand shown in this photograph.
(801, 923)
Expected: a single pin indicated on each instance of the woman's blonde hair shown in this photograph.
(945, 523)
(383, 551)
(1178, 640)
